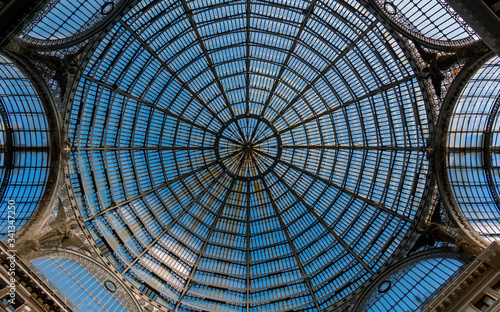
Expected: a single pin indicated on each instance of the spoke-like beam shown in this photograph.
(326, 226)
(201, 43)
(153, 106)
(307, 15)
(357, 147)
(284, 65)
(248, 257)
(146, 103)
(247, 62)
(344, 105)
(170, 70)
(204, 247)
(353, 101)
(145, 148)
(345, 190)
(289, 239)
(326, 70)
(169, 182)
(173, 222)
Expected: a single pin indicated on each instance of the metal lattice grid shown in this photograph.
(248, 156)
(65, 22)
(472, 143)
(432, 22)
(24, 146)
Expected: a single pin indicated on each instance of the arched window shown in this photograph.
(413, 286)
(432, 22)
(82, 287)
(24, 147)
(473, 145)
(66, 22)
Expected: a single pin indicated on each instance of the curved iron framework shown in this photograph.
(25, 174)
(82, 282)
(432, 23)
(489, 149)
(471, 161)
(65, 23)
(248, 155)
(6, 149)
(413, 282)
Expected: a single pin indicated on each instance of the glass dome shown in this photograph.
(432, 22)
(65, 22)
(248, 156)
(412, 287)
(473, 158)
(24, 148)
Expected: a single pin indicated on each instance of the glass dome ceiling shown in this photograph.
(24, 146)
(66, 22)
(472, 144)
(248, 156)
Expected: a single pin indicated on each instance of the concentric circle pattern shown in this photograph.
(248, 147)
(248, 156)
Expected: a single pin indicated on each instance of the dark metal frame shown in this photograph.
(397, 22)
(216, 128)
(441, 149)
(93, 28)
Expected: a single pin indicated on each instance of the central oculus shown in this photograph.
(248, 147)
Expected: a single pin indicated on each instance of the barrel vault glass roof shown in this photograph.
(473, 155)
(24, 147)
(412, 287)
(83, 288)
(248, 155)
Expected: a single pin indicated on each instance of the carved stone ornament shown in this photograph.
(146, 306)
(455, 236)
(62, 231)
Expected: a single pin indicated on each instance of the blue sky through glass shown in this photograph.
(25, 176)
(161, 88)
(84, 291)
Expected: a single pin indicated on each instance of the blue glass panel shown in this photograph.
(78, 285)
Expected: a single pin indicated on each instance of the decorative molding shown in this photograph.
(62, 230)
(402, 267)
(470, 284)
(29, 286)
(438, 162)
(98, 270)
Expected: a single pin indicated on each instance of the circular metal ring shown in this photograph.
(245, 147)
(110, 286)
(384, 286)
(390, 8)
(107, 7)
